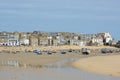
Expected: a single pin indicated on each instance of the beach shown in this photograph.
(25, 55)
(31, 48)
(16, 60)
(105, 65)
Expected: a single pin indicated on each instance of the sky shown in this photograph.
(79, 16)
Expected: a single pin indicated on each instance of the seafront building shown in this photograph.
(38, 38)
(8, 39)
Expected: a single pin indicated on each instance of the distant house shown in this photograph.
(9, 40)
(62, 41)
(4, 33)
(76, 37)
(13, 42)
(23, 35)
(50, 40)
(86, 37)
(107, 38)
(16, 34)
(43, 41)
(55, 42)
(13, 39)
(82, 43)
(73, 42)
(24, 42)
(33, 41)
(78, 43)
(97, 41)
(4, 40)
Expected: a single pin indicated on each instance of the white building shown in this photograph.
(81, 43)
(13, 42)
(97, 41)
(108, 37)
(24, 42)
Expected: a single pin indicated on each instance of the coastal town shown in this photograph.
(41, 38)
(41, 52)
(59, 40)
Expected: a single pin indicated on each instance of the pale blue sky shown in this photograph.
(79, 16)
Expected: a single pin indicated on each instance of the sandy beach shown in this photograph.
(31, 48)
(95, 63)
(29, 58)
(106, 65)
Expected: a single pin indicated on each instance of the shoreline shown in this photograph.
(31, 59)
(103, 65)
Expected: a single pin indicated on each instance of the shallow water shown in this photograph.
(54, 71)
(59, 64)
(52, 74)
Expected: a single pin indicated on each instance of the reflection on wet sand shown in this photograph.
(59, 64)
(59, 70)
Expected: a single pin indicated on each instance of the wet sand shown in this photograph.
(51, 74)
(106, 65)
(30, 66)
(10, 61)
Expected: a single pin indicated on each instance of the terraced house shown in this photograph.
(8, 39)
(53, 39)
